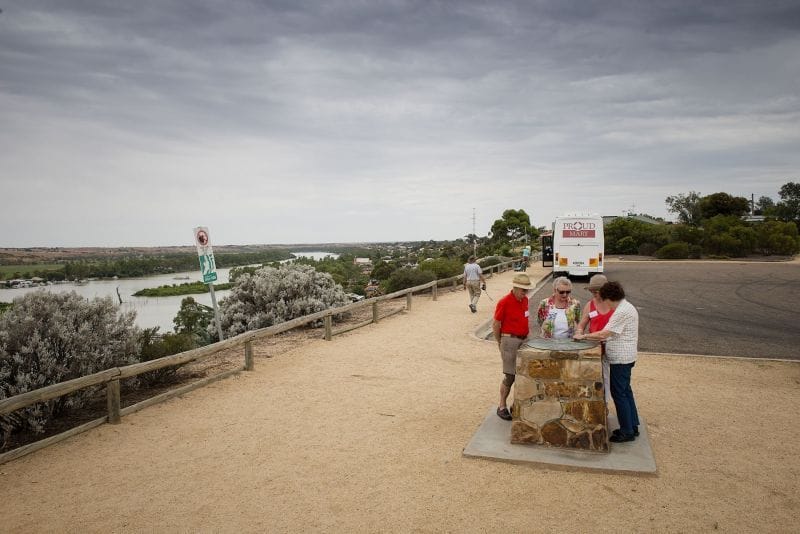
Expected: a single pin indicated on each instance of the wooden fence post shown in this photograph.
(113, 401)
(248, 356)
(374, 311)
(328, 321)
(408, 300)
(434, 290)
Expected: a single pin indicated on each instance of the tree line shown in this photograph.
(713, 226)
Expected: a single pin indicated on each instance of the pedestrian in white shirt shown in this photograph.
(474, 282)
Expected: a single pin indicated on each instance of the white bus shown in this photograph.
(578, 244)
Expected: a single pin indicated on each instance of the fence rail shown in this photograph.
(111, 377)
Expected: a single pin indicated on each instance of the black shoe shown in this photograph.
(473, 308)
(635, 432)
(621, 438)
(504, 414)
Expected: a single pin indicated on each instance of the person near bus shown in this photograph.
(595, 315)
(560, 313)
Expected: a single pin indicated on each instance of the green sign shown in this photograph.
(208, 268)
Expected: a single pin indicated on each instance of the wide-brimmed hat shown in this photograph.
(596, 282)
(521, 281)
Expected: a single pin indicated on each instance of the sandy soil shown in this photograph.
(365, 433)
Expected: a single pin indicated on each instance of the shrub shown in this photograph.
(274, 295)
(673, 251)
(724, 244)
(156, 346)
(443, 267)
(46, 338)
(695, 252)
(405, 278)
(688, 234)
(647, 249)
(626, 245)
(776, 237)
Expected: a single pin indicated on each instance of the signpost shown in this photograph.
(208, 268)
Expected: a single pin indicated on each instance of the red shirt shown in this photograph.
(513, 315)
(599, 321)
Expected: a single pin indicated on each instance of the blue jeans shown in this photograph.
(622, 394)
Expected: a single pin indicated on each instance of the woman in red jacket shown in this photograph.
(596, 314)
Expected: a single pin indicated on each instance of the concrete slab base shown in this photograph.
(492, 442)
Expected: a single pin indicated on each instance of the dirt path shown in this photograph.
(364, 434)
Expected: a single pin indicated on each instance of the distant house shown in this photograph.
(364, 264)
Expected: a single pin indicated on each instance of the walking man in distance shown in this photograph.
(473, 282)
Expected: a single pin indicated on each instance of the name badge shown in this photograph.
(527, 313)
(593, 314)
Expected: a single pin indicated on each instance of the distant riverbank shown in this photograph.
(150, 311)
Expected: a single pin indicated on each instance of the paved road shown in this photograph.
(724, 309)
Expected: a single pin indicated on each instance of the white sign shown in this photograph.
(203, 241)
(208, 267)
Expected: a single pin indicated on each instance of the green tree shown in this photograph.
(193, 319)
(685, 207)
(723, 204)
(382, 270)
(513, 226)
(626, 235)
(764, 205)
(788, 209)
(728, 235)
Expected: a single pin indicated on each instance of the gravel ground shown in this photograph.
(365, 433)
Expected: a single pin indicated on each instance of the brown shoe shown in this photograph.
(503, 413)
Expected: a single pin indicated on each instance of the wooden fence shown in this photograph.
(111, 377)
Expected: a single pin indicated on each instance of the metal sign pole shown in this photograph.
(208, 269)
(216, 310)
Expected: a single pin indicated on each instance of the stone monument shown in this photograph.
(559, 400)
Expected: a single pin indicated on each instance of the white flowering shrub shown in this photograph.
(46, 338)
(272, 295)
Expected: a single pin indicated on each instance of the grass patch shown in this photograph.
(189, 288)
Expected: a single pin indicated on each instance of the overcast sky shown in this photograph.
(130, 123)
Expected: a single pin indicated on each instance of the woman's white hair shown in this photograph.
(561, 281)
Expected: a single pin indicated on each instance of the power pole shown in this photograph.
(474, 235)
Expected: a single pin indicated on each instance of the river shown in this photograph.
(150, 311)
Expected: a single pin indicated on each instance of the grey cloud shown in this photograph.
(387, 104)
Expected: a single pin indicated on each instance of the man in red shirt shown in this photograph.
(510, 329)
